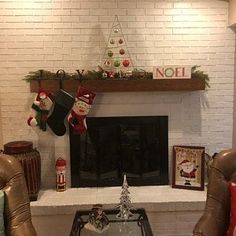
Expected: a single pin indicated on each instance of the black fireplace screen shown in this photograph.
(112, 146)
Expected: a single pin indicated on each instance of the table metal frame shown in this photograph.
(142, 221)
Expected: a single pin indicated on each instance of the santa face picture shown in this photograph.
(188, 171)
(81, 108)
(188, 168)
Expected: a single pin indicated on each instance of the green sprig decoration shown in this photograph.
(88, 75)
(93, 74)
(198, 74)
(136, 74)
(47, 75)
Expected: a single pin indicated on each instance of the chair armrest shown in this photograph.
(207, 226)
(17, 206)
(24, 229)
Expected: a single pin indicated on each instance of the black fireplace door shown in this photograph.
(112, 146)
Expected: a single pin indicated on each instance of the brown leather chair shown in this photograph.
(17, 215)
(215, 220)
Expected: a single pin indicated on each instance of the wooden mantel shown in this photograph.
(121, 85)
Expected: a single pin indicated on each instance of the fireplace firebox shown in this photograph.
(112, 146)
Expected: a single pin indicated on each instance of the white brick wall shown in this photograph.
(72, 35)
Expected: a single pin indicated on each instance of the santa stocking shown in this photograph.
(80, 109)
(40, 109)
(63, 104)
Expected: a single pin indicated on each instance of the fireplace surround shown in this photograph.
(112, 146)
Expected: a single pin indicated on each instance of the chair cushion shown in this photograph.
(232, 227)
(2, 228)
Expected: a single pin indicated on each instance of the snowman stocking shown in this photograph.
(40, 109)
(63, 104)
(80, 109)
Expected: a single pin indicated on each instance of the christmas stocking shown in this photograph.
(63, 104)
(80, 109)
(40, 109)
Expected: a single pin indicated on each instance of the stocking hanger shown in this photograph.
(61, 74)
(40, 78)
(80, 78)
(80, 75)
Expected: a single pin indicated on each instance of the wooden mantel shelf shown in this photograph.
(121, 85)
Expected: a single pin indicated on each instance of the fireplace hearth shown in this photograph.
(112, 146)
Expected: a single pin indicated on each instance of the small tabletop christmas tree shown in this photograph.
(116, 59)
(125, 205)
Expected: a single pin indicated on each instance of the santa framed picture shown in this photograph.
(188, 167)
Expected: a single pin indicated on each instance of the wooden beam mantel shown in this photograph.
(118, 85)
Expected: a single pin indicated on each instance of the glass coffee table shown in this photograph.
(137, 225)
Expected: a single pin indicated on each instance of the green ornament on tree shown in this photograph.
(110, 53)
(116, 63)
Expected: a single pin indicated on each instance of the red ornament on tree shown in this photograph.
(125, 63)
(111, 74)
(121, 41)
(122, 51)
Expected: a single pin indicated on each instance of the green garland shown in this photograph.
(88, 75)
(136, 74)
(197, 74)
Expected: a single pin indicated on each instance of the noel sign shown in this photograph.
(172, 72)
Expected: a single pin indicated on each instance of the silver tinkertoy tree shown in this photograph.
(125, 205)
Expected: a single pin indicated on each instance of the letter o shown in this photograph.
(169, 72)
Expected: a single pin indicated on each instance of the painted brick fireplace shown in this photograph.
(72, 35)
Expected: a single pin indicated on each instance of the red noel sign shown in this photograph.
(172, 72)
